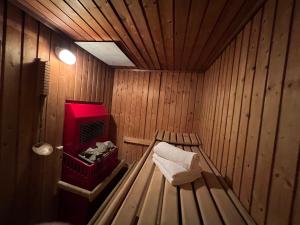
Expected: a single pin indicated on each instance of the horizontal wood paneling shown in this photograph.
(157, 34)
(249, 113)
(144, 101)
(28, 182)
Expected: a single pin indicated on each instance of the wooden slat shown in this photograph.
(286, 163)
(154, 23)
(77, 19)
(27, 103)
(170, 211)
(185, 102)
(238, 102)
(196, 19)
(137, 141)
(111, 197)
(246, 216)
(55, 10)
(113, 207)
(231, 103)
(167, 24)
(257, 102)
(121, 8)
(220, 148)
(229, 12)
(43, 12)
(271, 110)
(245, 109)
(150, 209)
(140, 21)
(226, 208)
(181, 15)
(212, 12)
(160, 135)
(86, 16)
(100, 18)
(108, 12)
(10, 76)
(189, 211)
(128, 210)
(239, 21)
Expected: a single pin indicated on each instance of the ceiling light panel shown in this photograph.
(108, 52)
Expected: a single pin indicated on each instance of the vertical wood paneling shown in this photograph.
(246, 99)
(268, 136)
(152, 100)
(10, 110)
(260, 154)
(28, 182)
(258, 92)
(238, 103)
(286, 163)
(27, 104)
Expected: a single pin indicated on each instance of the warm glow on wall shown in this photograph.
(65, 56)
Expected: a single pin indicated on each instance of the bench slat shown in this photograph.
(209, 212)
(166, 137)
(128, 210)
(225, 206)
(160, 135)
(150, 208)
(193, 138)
(169, 212)
(249, 220)
(111, 197)
(208, 209)
(109, 213)
(189, 211)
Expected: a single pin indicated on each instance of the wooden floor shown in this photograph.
(145, 197)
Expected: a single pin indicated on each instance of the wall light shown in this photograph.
(65, 56)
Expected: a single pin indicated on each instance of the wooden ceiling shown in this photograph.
(156, 34)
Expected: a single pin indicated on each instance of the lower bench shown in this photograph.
(145, 197)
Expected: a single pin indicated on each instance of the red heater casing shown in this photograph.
(85, 124)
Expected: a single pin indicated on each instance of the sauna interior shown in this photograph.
(219, 79)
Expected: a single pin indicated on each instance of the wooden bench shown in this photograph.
(145, 197)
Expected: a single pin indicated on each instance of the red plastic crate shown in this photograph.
(88, 176)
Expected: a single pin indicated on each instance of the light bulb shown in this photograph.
(66, 56)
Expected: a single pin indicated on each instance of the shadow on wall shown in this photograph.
(112, 130)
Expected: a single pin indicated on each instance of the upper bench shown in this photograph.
(145, 197)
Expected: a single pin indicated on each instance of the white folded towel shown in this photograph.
(188, 160)
(174, 173)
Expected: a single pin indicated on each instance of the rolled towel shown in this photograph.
(188, 160)
(174, 173)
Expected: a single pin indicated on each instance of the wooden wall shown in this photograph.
(27, 189)
(144, 101)
(250, 113)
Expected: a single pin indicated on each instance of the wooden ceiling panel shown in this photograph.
(197, 12)
(129, 24)
(75, 16)
(154, 23)
(86, 16)
(181, 16)
(140, 21)
(212, 13)
(155, 34)
(167, 24)
(53, 19)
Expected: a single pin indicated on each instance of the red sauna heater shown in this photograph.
(84, 125)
